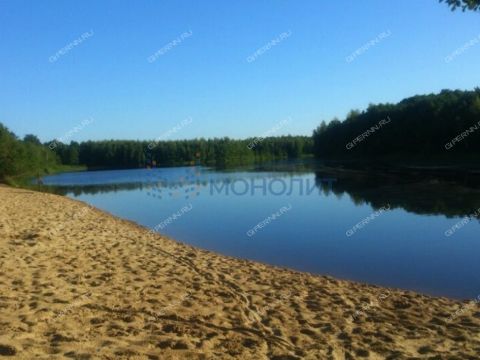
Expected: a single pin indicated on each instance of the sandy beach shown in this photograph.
(78, 283)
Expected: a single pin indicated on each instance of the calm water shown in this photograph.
(412, 236)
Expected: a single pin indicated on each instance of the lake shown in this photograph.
(409, 231)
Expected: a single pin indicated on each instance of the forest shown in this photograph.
(435, 127)
(212, 152)
(29, 157)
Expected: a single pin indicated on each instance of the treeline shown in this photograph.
(27, 157)
(214, 152)
(436, 127)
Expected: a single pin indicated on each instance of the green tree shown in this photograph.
(463, 4)
(29, 138)
(23, 157)
(419, 127)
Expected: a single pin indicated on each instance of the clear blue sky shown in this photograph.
(305, 77)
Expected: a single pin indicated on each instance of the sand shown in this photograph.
(78, 283)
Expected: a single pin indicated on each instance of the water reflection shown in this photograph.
(427, 194)
(417, 192)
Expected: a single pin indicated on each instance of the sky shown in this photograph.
(208, 77)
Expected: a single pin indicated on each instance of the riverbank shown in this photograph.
(30, 180)
(79, 283)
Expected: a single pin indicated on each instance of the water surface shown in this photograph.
(411, 233)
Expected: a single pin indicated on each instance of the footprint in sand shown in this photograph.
(7, 350)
